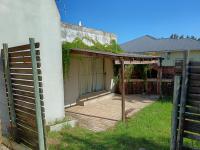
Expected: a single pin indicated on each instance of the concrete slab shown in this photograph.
(104, 113)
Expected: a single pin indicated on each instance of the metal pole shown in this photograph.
(37, 97)
(123, 90)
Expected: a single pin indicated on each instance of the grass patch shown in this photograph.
(149, 128)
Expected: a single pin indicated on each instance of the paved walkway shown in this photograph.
(104, 113)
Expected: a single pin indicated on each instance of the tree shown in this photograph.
(181, 37)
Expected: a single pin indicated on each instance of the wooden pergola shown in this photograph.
(124, 59)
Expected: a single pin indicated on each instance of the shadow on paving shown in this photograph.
(111, 142)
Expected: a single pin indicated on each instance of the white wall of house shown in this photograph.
(69, 32)
(22, 19)
(171, 57)
(73, 80)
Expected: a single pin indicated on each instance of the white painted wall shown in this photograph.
(21, 19)
(69, 32)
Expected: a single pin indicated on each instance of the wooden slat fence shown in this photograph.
(186, 106)
(24, 92)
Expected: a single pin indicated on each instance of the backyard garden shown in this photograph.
(148, 129)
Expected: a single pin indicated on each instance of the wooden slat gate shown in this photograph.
(185, 133)
(24, 92)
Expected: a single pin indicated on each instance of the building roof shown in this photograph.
(151, 44)
(126, 56)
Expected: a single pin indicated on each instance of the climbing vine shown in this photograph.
(78, 43)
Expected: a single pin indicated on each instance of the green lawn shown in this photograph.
(149, 128)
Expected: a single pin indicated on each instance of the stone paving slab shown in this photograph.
(104, 114)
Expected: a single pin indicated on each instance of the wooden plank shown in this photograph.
(40, 127)
(28, 144)
(23, 98)
(28, 94)
(23, 65)
(26, 99)
(193, 97)
(20, 65)
(22, 53)
(194, 70)
(26, 118)
(25, 109)
(26, 114)
(194, 103)
(194, 110)
(192, 126)
(24, 104)
(23, 59)
(22, 113)
(191, 136)
(194, 83)
(190, 116)
(24, 71)
(28, 134)
(22, 47)
(25, 82)
(26, 124)
(23, 88)
(176, 96)
(194, 90)
(194, 63)
(24, 77)
(194, 76)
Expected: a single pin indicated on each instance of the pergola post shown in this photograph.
(123, 89)
(160, 78)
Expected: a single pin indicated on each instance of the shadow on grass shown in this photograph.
(109, 142)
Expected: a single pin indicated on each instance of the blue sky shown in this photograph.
(130, 19)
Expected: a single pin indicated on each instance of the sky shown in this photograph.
(130, 19)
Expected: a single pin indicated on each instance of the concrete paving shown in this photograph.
(103, 114)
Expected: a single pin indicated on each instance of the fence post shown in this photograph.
(37, 96)
(174, 120)
(160, 78)
(0, 132)
(183, 100)
(8, 85)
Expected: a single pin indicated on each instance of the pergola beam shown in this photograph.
(134, 62)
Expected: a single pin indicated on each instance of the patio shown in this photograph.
(104, 113)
